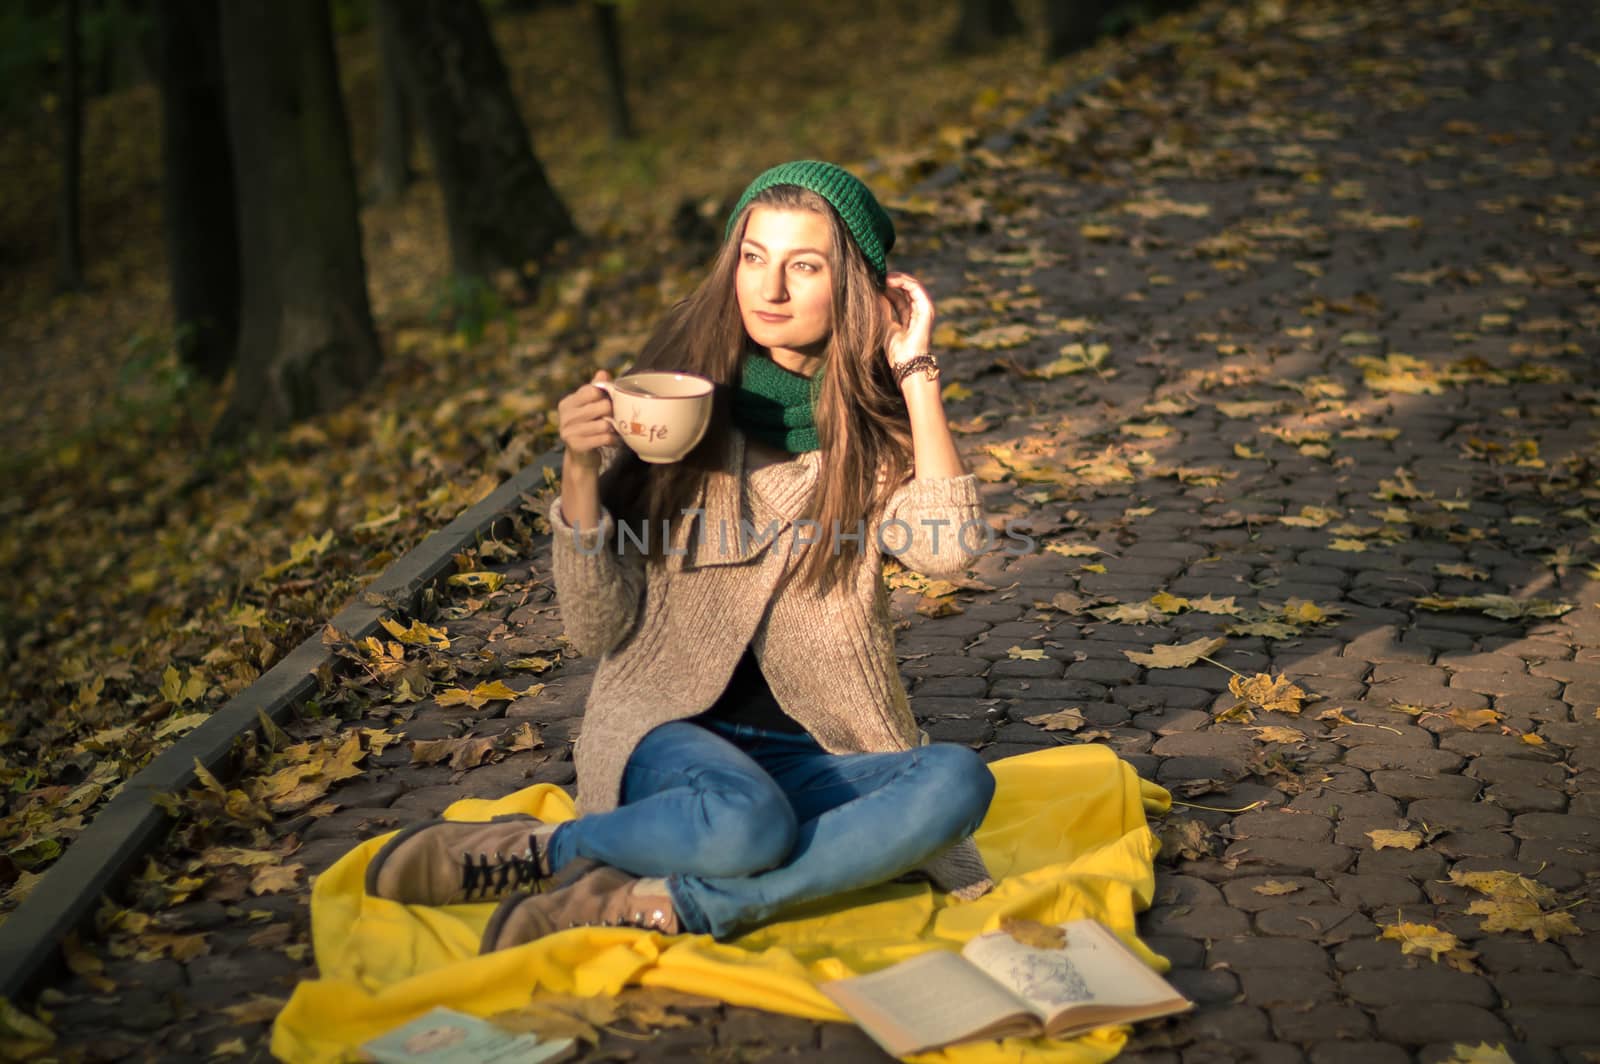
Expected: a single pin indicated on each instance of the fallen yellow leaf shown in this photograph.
(1385, 838)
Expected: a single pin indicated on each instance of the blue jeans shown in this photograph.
(744, 822)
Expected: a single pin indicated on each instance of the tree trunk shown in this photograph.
(500, 210)
(197, 186)
(306, 341)
(1073, 24)
(71, 264)
(609, 38)
(395, 129)
(982, 23)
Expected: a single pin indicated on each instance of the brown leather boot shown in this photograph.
(603, 897)
(449, 862)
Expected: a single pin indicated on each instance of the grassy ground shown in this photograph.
(149, 576)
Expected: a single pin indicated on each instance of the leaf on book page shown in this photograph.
(1033, 933)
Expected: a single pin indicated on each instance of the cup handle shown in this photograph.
(606, 386)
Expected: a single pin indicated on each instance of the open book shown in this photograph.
(999, 987)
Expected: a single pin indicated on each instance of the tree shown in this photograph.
(197, 193)
(609, 38)
(306, 341)
(500, 210)
(71, 263)
(393, 172)
(982, 23)
(1073, 24)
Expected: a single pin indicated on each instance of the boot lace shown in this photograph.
(497, 873)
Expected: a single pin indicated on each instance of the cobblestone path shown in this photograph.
(1332, 278)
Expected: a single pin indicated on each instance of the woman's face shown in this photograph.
(784, 281)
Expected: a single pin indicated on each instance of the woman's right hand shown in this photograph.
(585, 417)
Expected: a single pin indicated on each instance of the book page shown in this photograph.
(1093, 968)
(930, 1000)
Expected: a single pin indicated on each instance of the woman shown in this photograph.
(747, 743)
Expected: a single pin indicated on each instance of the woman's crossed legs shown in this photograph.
(744, 822)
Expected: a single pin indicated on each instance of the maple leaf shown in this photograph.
(417, 634)
(478, 697)
(1016, 653)
(180, 691)
(1034, 934)
(1273, 888)
(1130, 613)
(1300, 612)
(1074, 358)
(1354, 546)
(938, 607)
(1503, 884)
(1062, 720)
(1462, 570)
(535, 665)
(275, 879)
(1310, 517)
(1473, 719)
(1073, 550)
(478, 580)
(1384, 838)
(1264, 629)
(1177, 656)
(551, 1015)
(1213, 605)
(1522, 914)
(1482, 1053)
(1268, 693)
(1502, 607)
(1279, 735)
(258, 1009)
(1421, 938)
(1166, 603)
(1185, 837)
(1067, 602)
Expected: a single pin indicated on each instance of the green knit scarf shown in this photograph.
(777, 406)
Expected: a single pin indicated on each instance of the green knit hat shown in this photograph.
(866, 219)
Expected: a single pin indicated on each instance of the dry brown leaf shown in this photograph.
(1421, 939)
(1273, 694)
(1514, 914)
(275, 879)
(1177, 656)
(1185, 837)
(1017, 653)
(259, 1009)
(1387, 839)
(938, 607)
(1275, 887)
(1033, 933)
(1062, 720)
(553, 1015)
(1279, 735)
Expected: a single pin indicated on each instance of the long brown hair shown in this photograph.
(862, 425)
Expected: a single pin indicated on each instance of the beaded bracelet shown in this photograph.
(927, 363)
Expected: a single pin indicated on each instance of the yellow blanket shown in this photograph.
(1065, 838)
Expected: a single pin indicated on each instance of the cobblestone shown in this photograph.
(1287, 975)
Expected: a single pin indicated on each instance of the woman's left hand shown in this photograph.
(910, 320)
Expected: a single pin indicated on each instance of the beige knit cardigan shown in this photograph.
(670, 633)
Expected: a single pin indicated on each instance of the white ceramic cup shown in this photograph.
(660, 416)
